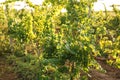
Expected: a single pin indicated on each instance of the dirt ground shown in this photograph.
(111, 73)
(5, 70)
